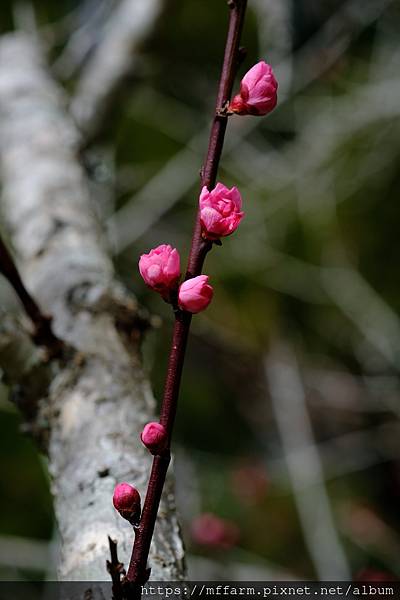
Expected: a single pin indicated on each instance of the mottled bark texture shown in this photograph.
(98, 399)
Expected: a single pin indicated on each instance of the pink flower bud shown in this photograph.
(257, 94)
(220, 211)
(154, 437)
(369, 574)
(195, 294)
(161, 269)
(210, 530)
(126, 500)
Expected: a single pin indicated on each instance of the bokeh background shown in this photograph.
(287, 436)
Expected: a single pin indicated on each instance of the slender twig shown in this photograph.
(138, 572)
(42, 334)
(116, 569)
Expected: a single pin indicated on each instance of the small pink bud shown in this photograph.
(126, 500)
(154, 437)
(258, 92)
(220, 212)
(195, 294)
(160, 269)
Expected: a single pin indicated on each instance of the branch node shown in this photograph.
(223, 111)
(43, 334)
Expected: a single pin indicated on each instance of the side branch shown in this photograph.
(115, 568)
(24, 366)
(43, 334)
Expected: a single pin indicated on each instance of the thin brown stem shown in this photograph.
(42, 334)
(116, 569)
(138, 572)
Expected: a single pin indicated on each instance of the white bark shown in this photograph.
(98, 401)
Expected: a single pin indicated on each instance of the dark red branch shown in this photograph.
(42, 334)
(138, 573)
(209, 171)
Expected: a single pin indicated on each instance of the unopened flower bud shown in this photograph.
(160, 269)
(220, 211)
(154, 437)
(195, 294)
(126, 500)
(258, 92)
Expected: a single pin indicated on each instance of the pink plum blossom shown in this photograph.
(220, 211)
(258, 92)
(160, 269)
(154, 437)
(195, 294)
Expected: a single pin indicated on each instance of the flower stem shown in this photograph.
(137, 572)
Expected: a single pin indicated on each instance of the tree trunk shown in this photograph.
(98, 399)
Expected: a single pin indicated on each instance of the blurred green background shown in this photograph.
(287, 433)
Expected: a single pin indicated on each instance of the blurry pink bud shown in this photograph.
(126, 500)
(364, 524)
(209, 530)
(220, 213)
(161, 269)
(195, 294)
(374, 575)
(154, 437)
(257, 94)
